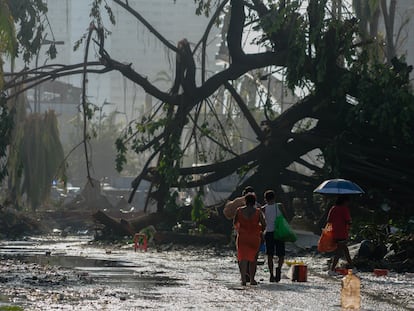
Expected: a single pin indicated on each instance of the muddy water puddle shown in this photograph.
(93, 269)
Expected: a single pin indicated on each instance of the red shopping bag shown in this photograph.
(326, 242)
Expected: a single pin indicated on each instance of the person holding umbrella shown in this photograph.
(339, 215)
(340, 218)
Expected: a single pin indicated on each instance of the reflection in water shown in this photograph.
(73, 261)
(99, 271)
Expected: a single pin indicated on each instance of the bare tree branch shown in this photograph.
(223, 130)
(84, 102)
(21, 78)
(215, 140)
(245, 110)
(238, 161)
(146, 24)
(204, 38)
(127, 71)
(135, 183)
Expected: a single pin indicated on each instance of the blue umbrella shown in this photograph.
(338, 186)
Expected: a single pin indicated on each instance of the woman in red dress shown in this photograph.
(249, 223)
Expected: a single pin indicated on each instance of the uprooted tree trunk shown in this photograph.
(113, 226)
(124, 227)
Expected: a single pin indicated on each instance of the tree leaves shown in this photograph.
(8, 42)
(386, 101)
(205, 6)
(28, 14)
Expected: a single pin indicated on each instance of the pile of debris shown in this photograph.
(396, 254)
(14, 223)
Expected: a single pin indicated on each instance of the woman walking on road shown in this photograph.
(249, 223)
(340, 218)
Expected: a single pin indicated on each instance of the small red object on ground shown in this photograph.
(140, 241)
(300, 273)
(380, 272)
(342, 271)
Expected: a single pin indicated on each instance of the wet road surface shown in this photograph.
(80, 276)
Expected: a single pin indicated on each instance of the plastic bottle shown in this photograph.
(351, 292)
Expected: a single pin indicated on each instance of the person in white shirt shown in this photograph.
(273, 246)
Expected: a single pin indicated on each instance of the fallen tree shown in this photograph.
(356, 112)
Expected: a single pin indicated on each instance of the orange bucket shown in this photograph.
(300, 273)
(140, 241)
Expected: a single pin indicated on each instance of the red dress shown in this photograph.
(248, 235)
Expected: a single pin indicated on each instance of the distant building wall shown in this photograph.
(130, 42)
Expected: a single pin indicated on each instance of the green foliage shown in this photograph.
(171, 206)
(386, 101)
(79, 41)
(96, 19)
(96, 12)
(401, 242)
(372, 232)
(8, 46)
(316, 43)
(30, 15)
(26, 40)
(8, 42)
(168, 163)
(243, 170)
(283, 29)
(382, 112)
(198, 212)
(205, 6)
(316, 16)
(205, 129)
(120, 159)
(139, 134)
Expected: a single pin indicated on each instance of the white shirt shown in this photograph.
(271, 211)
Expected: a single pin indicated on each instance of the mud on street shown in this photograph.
(52, 273)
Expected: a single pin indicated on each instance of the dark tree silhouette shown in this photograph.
(361, 114)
